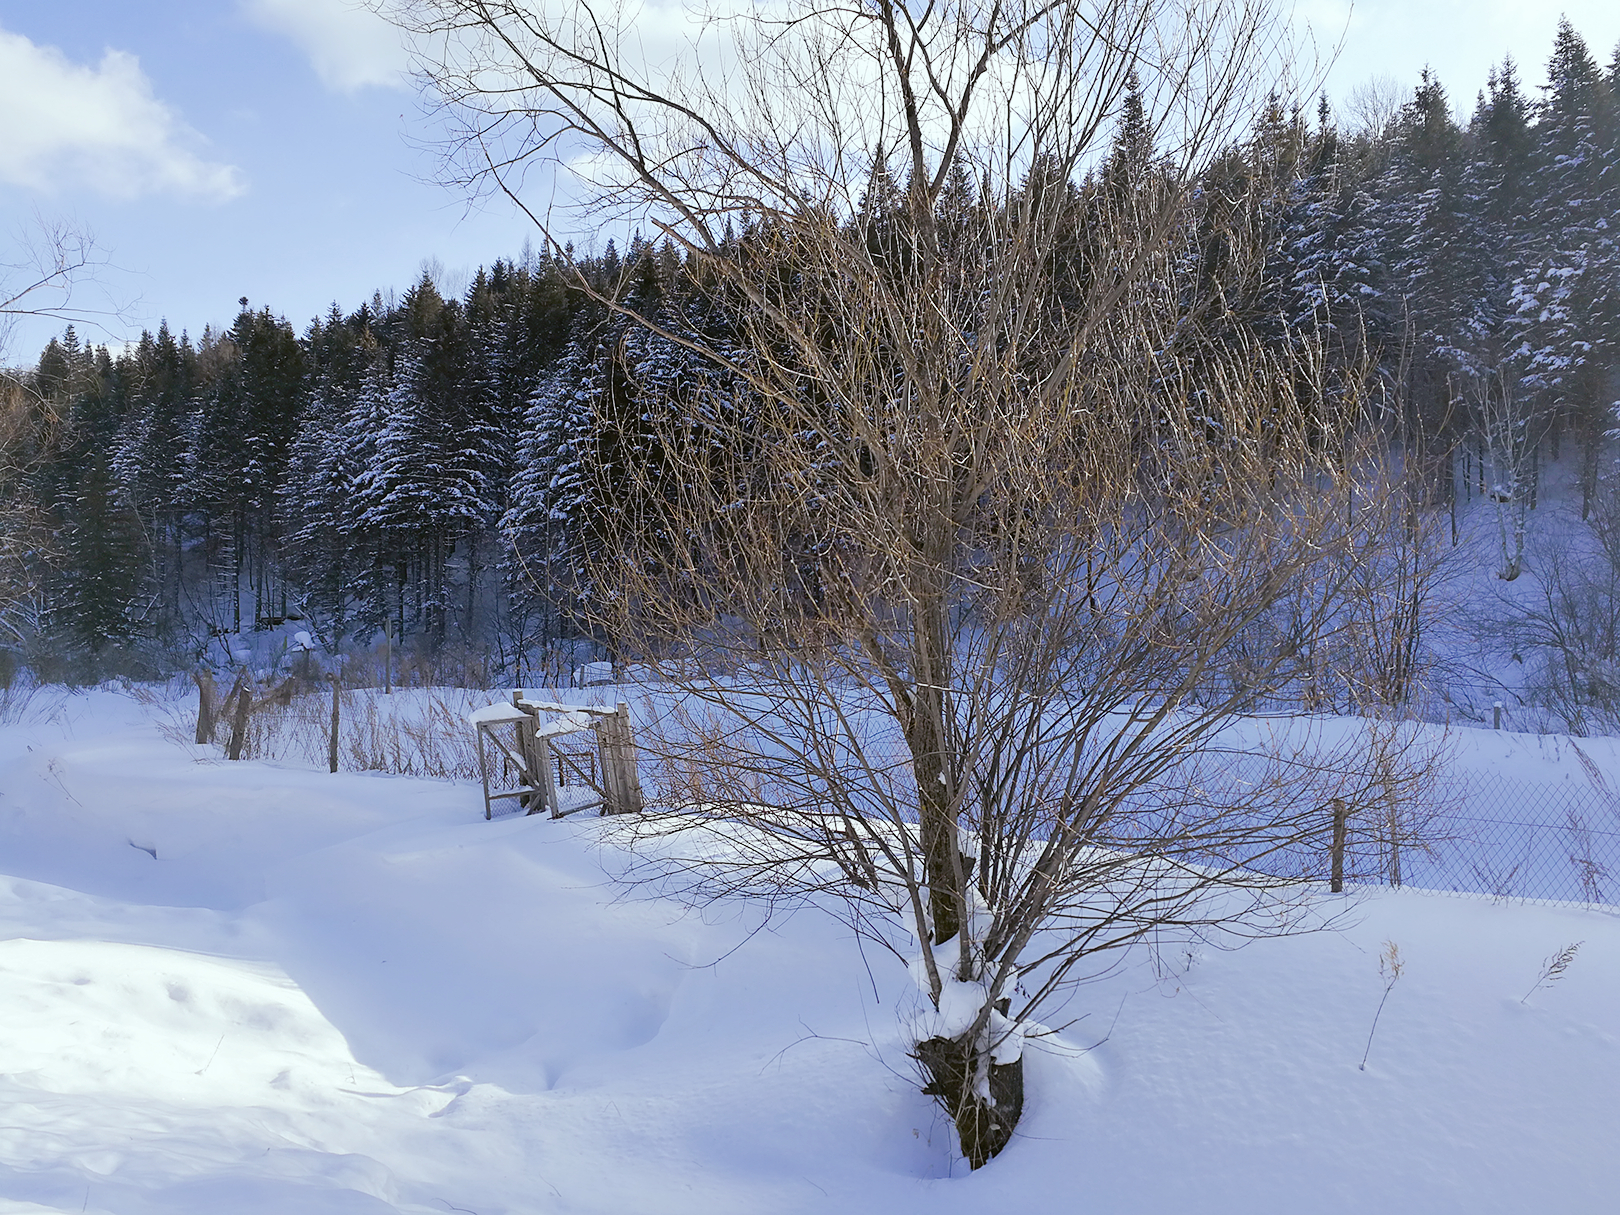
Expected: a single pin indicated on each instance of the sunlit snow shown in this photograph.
(257, 987)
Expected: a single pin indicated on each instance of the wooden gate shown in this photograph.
(517, 733)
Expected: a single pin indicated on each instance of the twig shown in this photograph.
(211, 1057)
(1553, 969)
(1389, 969)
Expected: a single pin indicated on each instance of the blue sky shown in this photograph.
(273, 148)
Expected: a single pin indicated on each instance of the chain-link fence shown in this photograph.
(1499, 836)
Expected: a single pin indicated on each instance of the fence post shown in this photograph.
(243, 691)
(332, 742)
(206, 692)
(483, 770)
(546, 776)
(1394, 835)
(1497, 713)
(530, 746)
(621, 787)
(523, 750)
(1340, 824)
(608, 753)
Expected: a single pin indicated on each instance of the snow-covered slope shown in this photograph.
(254, 988)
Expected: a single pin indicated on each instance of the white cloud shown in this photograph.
(69, 124)
(349, 46)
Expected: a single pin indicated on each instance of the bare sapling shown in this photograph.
(1553, 969)
(1380, 658)
(1512, 432)
(1389, 970)
(968, 552)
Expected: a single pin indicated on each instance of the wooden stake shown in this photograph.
(483, 770)
(621, 788)
(1340, 815)
(206, 692)
(528, 747)
(239, 720)
(332, 742)
(546, 778)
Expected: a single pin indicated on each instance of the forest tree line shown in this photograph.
(434, 467)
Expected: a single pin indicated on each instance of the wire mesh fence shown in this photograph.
(1499, 836)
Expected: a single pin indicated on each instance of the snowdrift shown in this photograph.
(257, 987)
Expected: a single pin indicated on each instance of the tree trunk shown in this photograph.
(1451, 489)
(925, 737)
(984, 1126)
(942, 864)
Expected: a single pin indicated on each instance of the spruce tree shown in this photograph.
(104, 564)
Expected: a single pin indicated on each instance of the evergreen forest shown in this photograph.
(430, 468)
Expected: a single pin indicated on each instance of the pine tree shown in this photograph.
(1566, 294)
(550, 489)
(105, 564)
(323, 553)
(1327, 265)
(441, 458)
(1437, 279)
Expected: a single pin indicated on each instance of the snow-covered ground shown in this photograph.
(259, 988)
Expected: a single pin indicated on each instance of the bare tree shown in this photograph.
(988, 526)
(1569, 628)
(49, 261)
(1381, 657)
(1374, 106)
(1512, 429)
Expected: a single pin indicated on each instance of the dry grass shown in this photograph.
(26, 702)
(413, 732)
(420, 732)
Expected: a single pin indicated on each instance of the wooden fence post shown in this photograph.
(529, 748)
(632, 777)
(621, 786)
(1394, 837)
(483, 770)
(546, 777)
(243, 691)
(206, 692)
(608, 753)
(332, 742)
(1340, 814)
